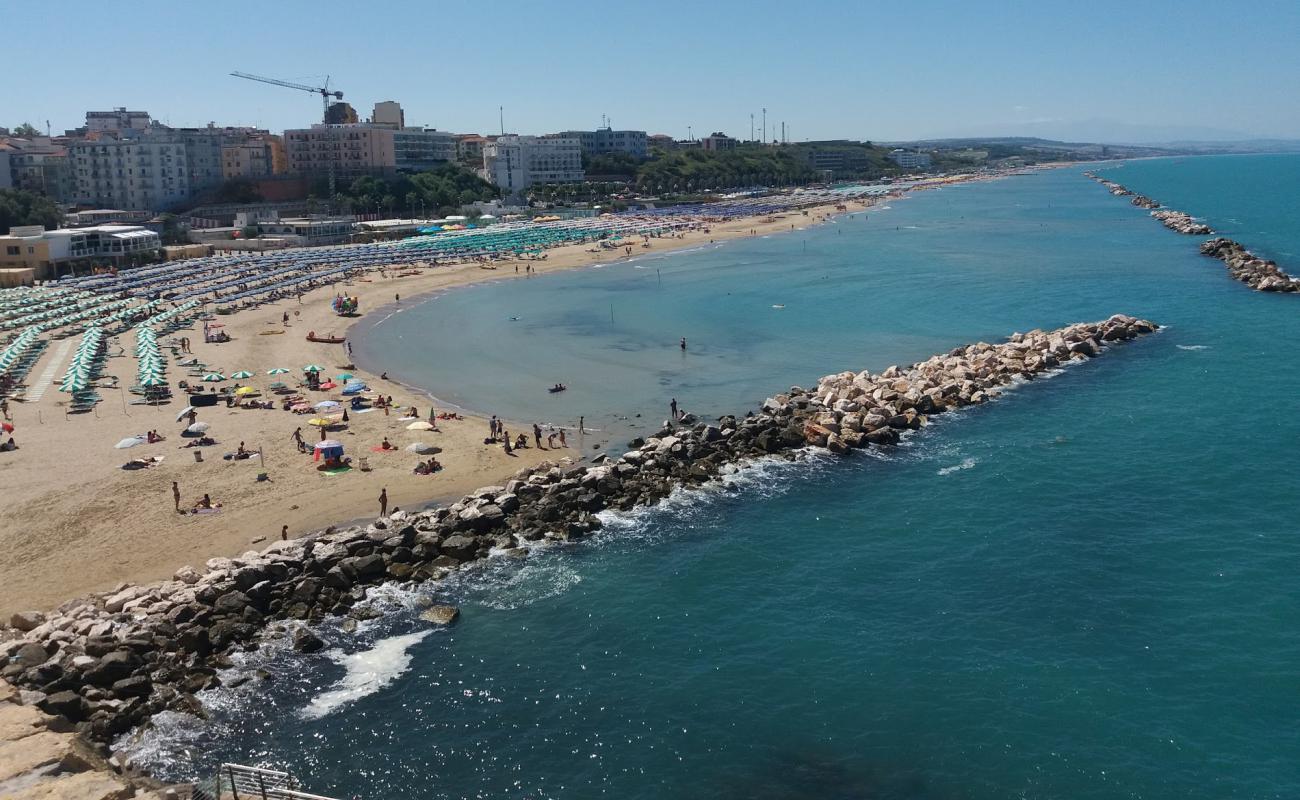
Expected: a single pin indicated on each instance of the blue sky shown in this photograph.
(861, 70)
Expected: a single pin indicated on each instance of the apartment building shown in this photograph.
(353, 150)
(605, 140)
(514, 163)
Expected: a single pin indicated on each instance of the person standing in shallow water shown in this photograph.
(673, 407)
(683, 344)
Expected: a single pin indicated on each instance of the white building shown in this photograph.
(514, 163)
(605, 140)
(150, 170)
(422, 149)
(908, 159)
(119, 119)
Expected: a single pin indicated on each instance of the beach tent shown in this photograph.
(326, 405)
(131, 441)
(423, 448)
(419, 425)
(198, 427)
(330, 448)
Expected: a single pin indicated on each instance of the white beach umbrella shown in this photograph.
(198, 427)
(184, 411)
(419, 425)
(129, 442)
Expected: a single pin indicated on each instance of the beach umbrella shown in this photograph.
(184, 411)
(320, 422)
(198, 427)
(325, 405)
(328, 385)
(243, 373)
(419, 425)
(153, 380)
(277, 371)
(128, 442)
(343, 376)
(245, 390)
(214, 377)
(312, 368)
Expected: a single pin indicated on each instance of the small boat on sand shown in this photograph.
(312, 337)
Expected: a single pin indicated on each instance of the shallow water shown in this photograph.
(1084, 590)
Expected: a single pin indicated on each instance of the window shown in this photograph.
(13, 251)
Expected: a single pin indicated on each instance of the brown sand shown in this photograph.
(74, 521)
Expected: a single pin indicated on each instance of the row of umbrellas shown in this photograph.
(85, 362)
(59, 316)
(151, 370)
(15, 350)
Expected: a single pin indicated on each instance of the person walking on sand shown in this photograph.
(537, 435)
(582, 428)
(176, 496)
(284, 532)
(397, 298)
(383, 501)
(563, 442)
(492, 426)
(297, 437)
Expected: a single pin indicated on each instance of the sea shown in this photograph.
(1086, 589)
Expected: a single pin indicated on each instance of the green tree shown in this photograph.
(21, 207)
(27, 131)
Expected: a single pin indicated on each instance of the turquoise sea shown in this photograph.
(1084, 590)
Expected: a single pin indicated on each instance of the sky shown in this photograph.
(1127, 71)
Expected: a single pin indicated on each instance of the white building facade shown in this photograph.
(513, 163)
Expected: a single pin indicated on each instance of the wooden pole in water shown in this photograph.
(660, 276)
(611, 313)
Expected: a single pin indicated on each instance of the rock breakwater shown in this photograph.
(1173, 220)
(1260, 274)
(1182, 223)
(107, 662)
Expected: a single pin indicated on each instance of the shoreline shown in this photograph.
(123, 656)
(115, 526)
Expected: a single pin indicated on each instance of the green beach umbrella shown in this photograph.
(243, 373)
(312, 368)
(277, 371)
(213, 377)
(342, 376)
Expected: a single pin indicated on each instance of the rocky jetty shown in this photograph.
(1173, 220)
(1257, 273)
(107, 662)
(1182, 223)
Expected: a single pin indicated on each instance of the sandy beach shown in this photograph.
(75, 521)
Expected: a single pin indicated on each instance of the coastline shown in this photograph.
(115, 526)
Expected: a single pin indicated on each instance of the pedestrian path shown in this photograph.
(36, 391)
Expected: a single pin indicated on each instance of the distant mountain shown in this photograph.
(1113, 132)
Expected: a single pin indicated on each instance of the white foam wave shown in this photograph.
(1192, 346)
(367, 672)
(966, 463)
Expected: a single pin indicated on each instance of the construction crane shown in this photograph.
(325, 95)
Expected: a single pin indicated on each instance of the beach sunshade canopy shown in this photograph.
(419, 425)
(423, 448)
(276, 371)
(198, 427)
(214, 377)
(320, 422)
(326, 404)
(313, 368)
(184, 411)
(131, 441)
(243, 373)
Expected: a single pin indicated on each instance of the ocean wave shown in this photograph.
(1192, 346)
(966, 463)
(368, 672)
